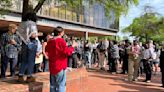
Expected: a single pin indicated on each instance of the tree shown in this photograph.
(118, 6)
(4, 4)
(160, 35)
(29, 8)
(146, 27)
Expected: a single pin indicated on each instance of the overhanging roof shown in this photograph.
(46, 24)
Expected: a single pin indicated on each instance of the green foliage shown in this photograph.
(125, 37)
(117, 38)
(92, 39)
(4, 6)
(107, 37)
(117, 6)
(5, 3)
(145, 27)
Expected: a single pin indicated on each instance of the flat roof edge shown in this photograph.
(70, 22)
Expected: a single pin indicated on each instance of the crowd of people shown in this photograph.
(134, 58)
(58, 50)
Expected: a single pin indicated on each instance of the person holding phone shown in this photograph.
(58, 53)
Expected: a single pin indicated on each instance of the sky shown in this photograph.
(136, 11)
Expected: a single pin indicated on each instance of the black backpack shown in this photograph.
(101, 47)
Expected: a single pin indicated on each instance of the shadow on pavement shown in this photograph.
(36, 87)
(139, 88)
(136, 86)
(23, 86)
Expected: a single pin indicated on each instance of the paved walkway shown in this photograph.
(97, 81)
(100, 81)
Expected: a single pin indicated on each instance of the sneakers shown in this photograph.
(127, 80)
(162, 86)
(135, 80)
(30, 79)
(69, 69)
(113, 73)
(147, 81)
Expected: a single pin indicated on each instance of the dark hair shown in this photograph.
(146, 46)
(30, 16)
(114, 42)
(72, 38)
(136, 41)
(58, 30)
(45, 37)
(126, 41)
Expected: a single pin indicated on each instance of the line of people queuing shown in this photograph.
(135, 58)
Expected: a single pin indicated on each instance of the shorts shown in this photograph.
(155, 62)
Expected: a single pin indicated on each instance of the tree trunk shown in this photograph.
(25, 9)
(28, 8)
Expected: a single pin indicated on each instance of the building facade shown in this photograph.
(86, 18)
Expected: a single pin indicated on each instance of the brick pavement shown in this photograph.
(100, 81)
(82, 81)
(76, 80)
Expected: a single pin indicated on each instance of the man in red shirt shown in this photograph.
(58, 52)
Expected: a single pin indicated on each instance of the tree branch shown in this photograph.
(39, 5)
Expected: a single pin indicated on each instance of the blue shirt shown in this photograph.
(8, 49)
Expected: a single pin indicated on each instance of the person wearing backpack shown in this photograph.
(102, 54)
(114, 57)
(147, 55)
(87, 54)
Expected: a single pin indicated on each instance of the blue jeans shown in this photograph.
(28, 59)
(13, 63)
(87, 58)
(46, 65)
(58, 82)
(72, 61)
